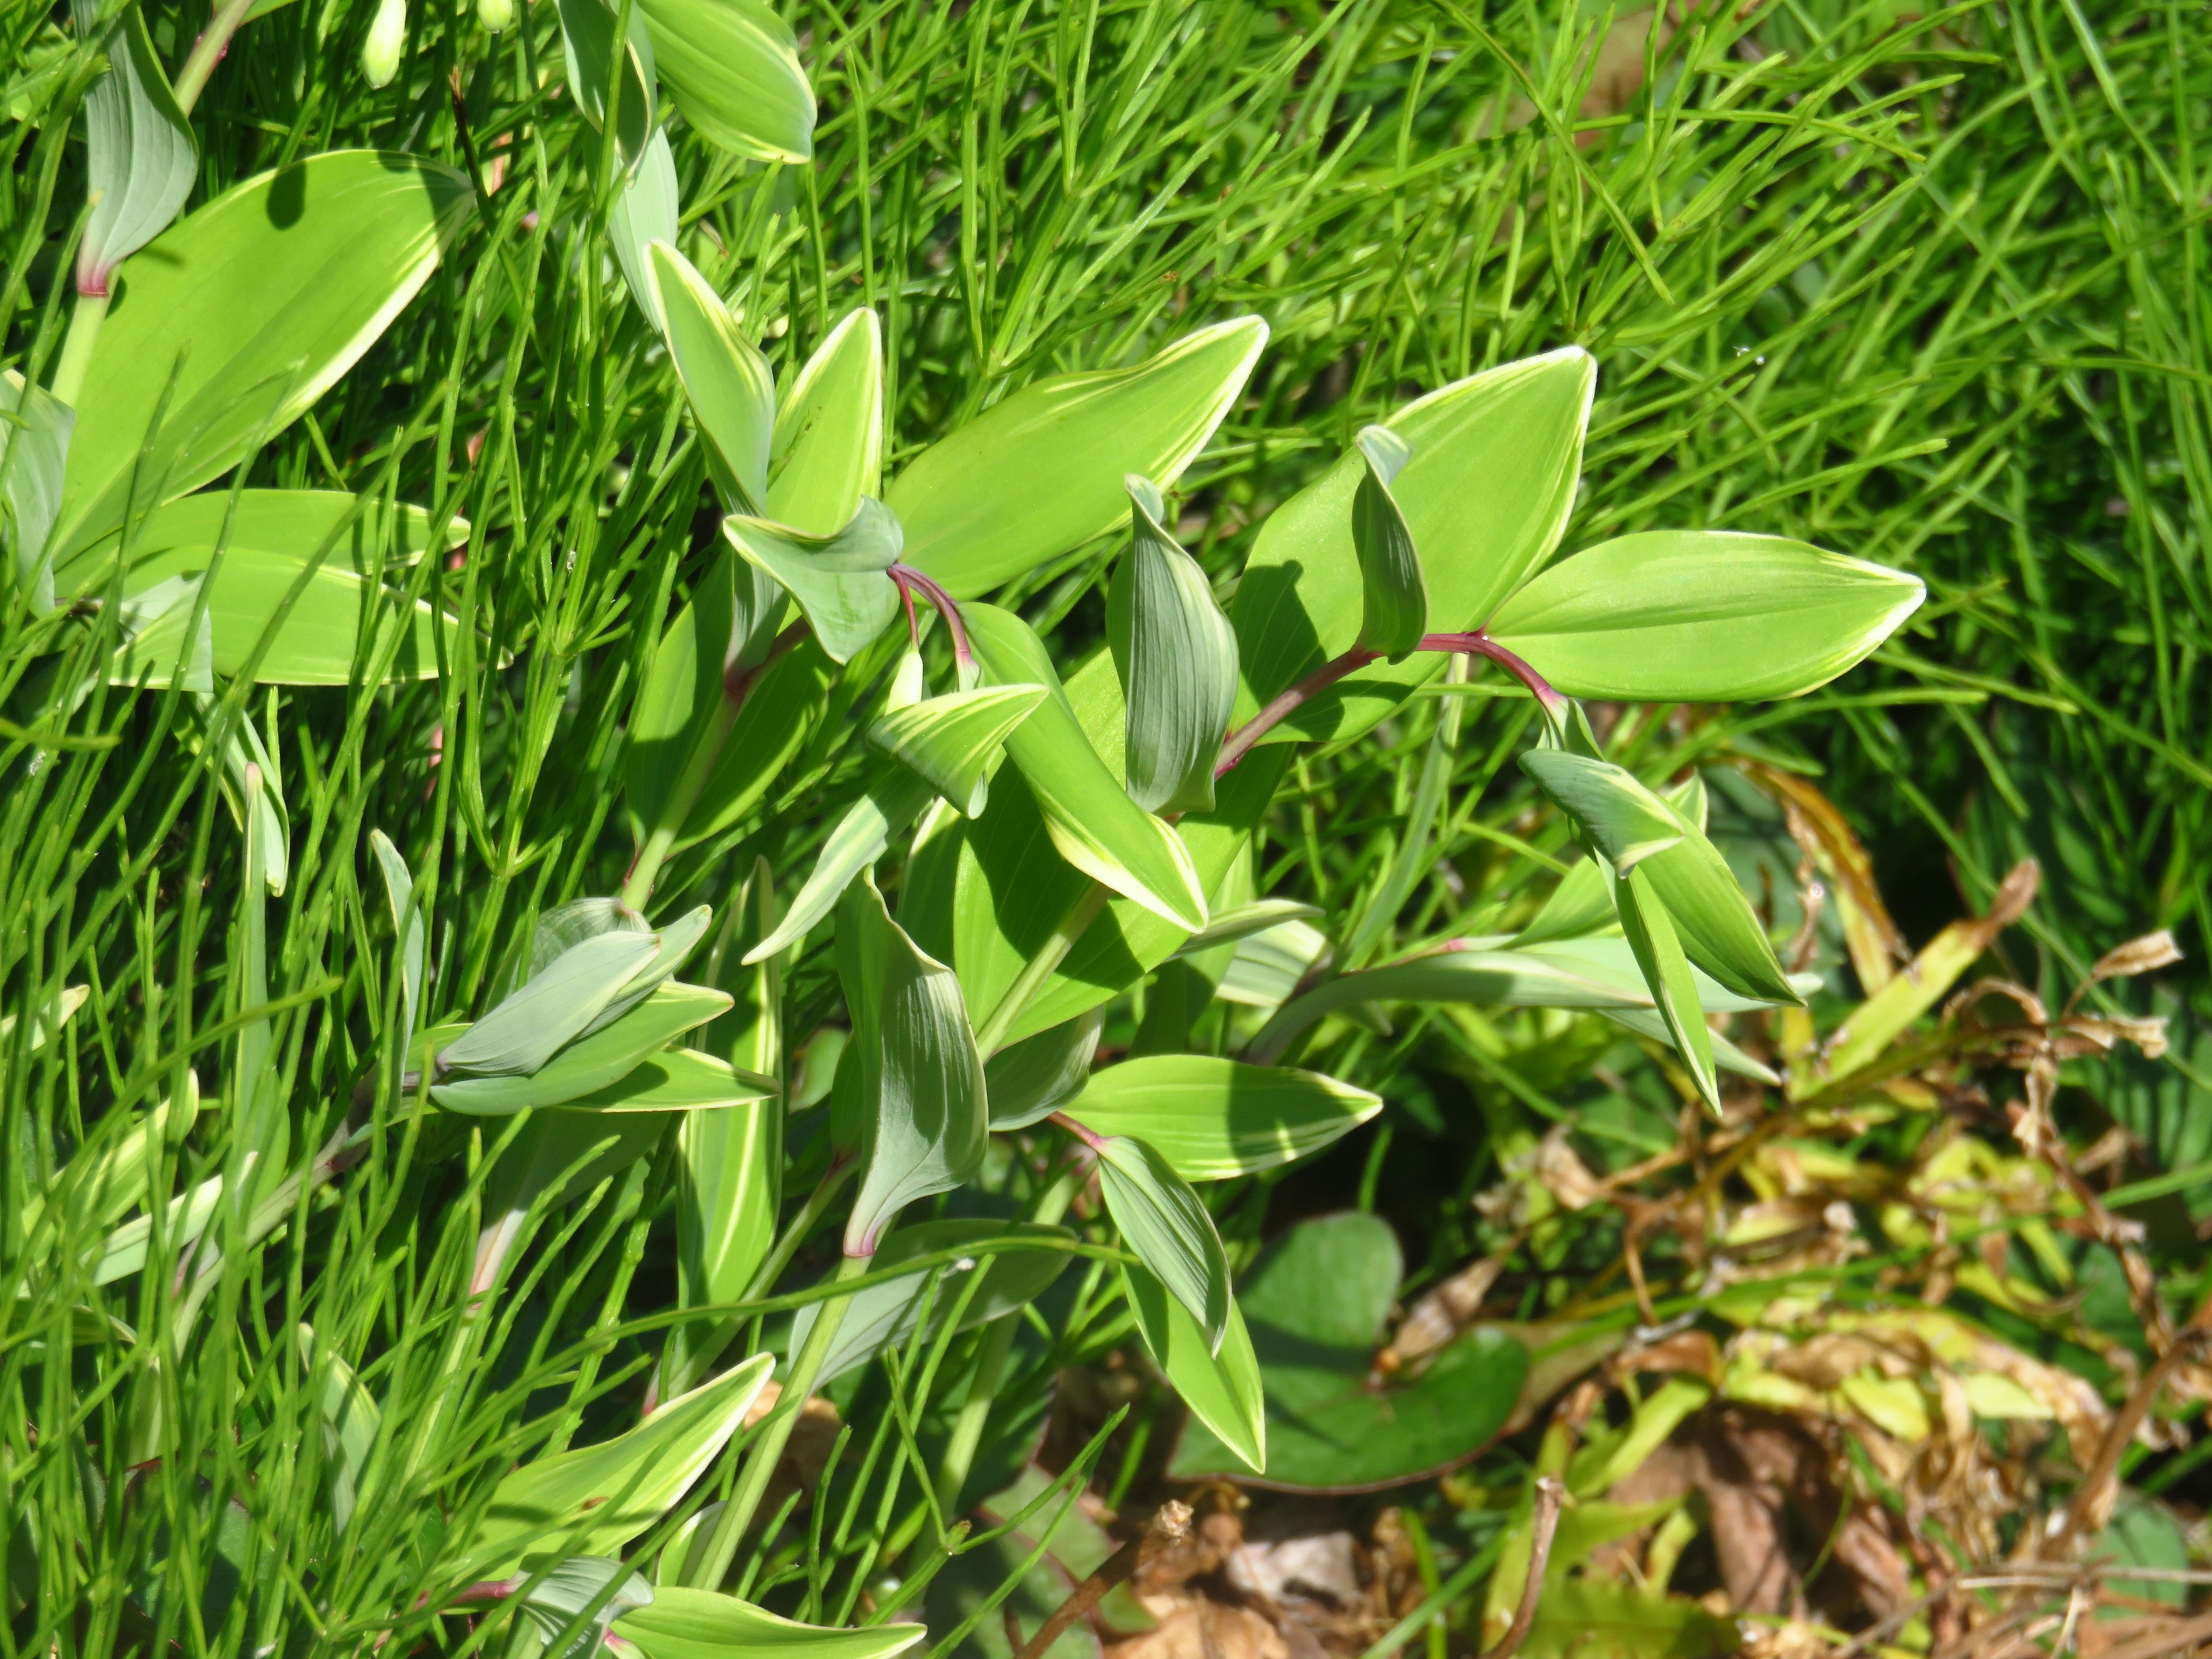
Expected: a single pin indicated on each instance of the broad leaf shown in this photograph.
(1393, 610)
(1164, 1221)
(828, 449)
(885, 1315)
(1243, 921)
(344, 616)
(953, 741)
(245, 312)
(730, 385)
(168, 638)
(596, 63)
(732, 66)
(1034, 1077)
(1211, 1119)
(140, 159)
(524, 1031)
(647, 210)
(1222, 1387)
(1650, 934)
(1094, 825)
(1176, 656)
(1316, 1303)
(781, 709)
(840, 580)
(591, 1062)
(1485, 495)
(918, 1079)
(594, 1500)
(1703, 615)
(1041, 472)
(697, 1624)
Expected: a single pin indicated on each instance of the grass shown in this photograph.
(1923, 289)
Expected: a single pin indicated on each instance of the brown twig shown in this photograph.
(1549, 1495)
(1171, 1525)
(2092, 1496)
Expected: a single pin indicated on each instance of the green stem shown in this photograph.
(736, 683)
(832, 1183)
(206, 52)
(1053, 951)
(765, 1453)
(990, 1365)
(76, 349)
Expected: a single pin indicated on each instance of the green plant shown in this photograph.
(479, 1176)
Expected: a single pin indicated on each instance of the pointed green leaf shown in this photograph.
(990, 892)
(1094, 825)
(1245, 920)
(828, 449)
(590, 1063)
(679, 1080)
(342, 619)
(733, 67)
(1620, 817)
(1034, 1077)
(1222, 1389)
(862, 837)
(524, 1031)
(1166, 1224)
(35, 442)
(1703, 615)
(351, 1421)
(730, 385)
(1176, 656)
(1609, 959)
(953, 741)
(647, 210)
(724, 630)
(1650, 935)
(1486, 495)
(559, 1600)
(406, 926)
(140, 159)
(1727, 1057)
(885, 1315)
(918, 1079)
(1210, 1119)
(1041, 472)
(1393, 597)
(245, 312)
(1637, 830)
(589, 48)
(595, 1499)
(124, 1251)
(839, 580)
(168, 638)
(697, 1624)
(1580, 904)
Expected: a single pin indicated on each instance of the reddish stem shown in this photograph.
(912, 582)
(1241, 742)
